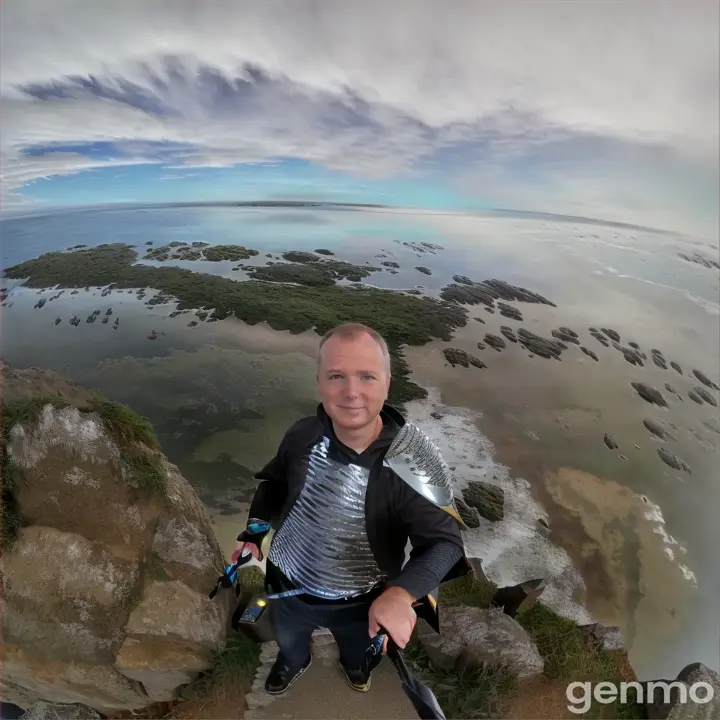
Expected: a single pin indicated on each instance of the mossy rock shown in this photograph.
(134, 434)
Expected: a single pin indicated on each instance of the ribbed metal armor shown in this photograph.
(322, 546)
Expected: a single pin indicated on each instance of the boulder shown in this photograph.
(27, 680)
(604, 637)
(160, 664)
(65, 597)
(108, 608)
(184, 541)
(694, 674)
(666, 702)
(173, 611)
(475, 637)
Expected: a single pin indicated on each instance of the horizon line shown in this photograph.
(328, 204)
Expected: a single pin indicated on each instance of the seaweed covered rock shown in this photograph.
(487, 292)
(487, 499)
(456, 356)
(108, 555)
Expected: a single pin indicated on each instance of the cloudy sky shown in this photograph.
(605, 109)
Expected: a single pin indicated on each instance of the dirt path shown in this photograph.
(322, 693)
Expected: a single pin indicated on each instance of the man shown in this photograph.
(344, 518)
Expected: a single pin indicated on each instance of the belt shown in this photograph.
(282, 587)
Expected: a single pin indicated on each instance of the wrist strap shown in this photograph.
(255, 531)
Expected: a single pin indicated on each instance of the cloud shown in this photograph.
(373, 89)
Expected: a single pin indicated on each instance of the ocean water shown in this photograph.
(221, 394)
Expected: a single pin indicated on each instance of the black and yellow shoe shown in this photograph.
(282, 676)
(357, 678)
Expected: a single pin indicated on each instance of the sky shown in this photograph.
(600, 109)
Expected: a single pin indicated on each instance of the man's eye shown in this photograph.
(368, 377)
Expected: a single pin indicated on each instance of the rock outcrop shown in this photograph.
(471, 636)
(518, 598)
(693, 695)
(108, 555)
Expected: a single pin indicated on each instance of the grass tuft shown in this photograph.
(147, 471)
(571, 656)
(468, 590)
(27, 412)
(12, 474)
(11, 521)
(236, 663)
(468, 693)
(124, 424)
(251, 579)
(568, 654)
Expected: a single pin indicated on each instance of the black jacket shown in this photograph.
(394, 511)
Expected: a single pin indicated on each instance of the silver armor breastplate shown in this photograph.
(322, 545)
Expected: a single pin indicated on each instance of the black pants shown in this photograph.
(294, 620)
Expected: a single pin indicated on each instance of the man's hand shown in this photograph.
(241, 547)
(393, 611)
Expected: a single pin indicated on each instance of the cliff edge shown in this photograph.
(107, 554)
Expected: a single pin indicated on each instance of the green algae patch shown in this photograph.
(401, 318)
(314, 273)
(306, 268)
(199, 251)
(216, 253)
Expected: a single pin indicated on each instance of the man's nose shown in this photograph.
(352, 386)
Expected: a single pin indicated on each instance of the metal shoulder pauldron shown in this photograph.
(418, 462)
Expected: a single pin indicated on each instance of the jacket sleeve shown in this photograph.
(271, 493)
(438, 551)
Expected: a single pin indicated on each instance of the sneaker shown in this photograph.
(281, 676)
(357, 678)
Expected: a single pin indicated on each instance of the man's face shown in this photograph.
(353, 380)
